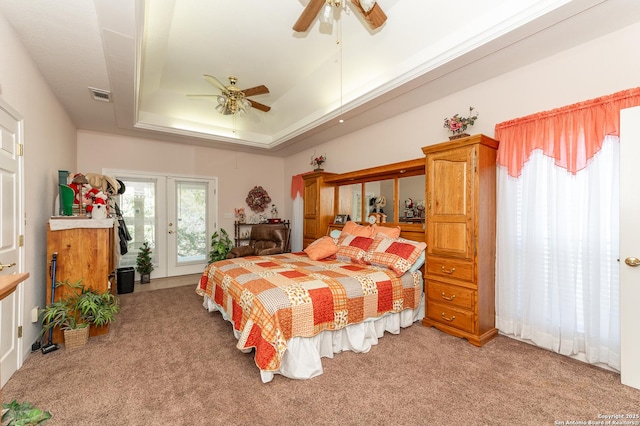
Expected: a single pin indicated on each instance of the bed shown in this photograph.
(292, 309)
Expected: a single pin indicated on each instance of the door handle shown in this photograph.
(7, 266)
(632, 261)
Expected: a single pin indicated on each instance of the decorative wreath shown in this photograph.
(258, 199)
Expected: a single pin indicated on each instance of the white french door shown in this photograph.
(176, 215)
(188, 230)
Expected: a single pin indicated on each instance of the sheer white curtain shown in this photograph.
(557, 281)
(297, 213)
(297, 222)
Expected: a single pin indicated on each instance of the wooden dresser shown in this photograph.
(318, 206)
(460, 215)
(85, 251)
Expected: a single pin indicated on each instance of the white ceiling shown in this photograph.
(150, 55)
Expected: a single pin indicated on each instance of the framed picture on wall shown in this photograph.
(341, 219)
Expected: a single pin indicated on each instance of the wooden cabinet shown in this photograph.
(460, 234)
(85, 253)
(318, 206)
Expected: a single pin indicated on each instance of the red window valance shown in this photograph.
(571, 135)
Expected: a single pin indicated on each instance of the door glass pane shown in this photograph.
(191, 221)
(138, 206)
(379, 199)
(411, 196)
(350, 201)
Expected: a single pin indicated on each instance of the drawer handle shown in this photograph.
(450, 271)
(453, 296)
(447, 319)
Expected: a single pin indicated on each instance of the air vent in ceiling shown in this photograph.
(100, 95)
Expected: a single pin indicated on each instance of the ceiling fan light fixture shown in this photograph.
(245, 104)
(367, 5)
(326, 17)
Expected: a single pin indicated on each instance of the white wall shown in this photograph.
(237, 172)
(49, 145)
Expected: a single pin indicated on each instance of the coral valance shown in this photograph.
(571, 135)
(297, 186)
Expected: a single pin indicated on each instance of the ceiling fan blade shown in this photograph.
(258, 105)
(215, 82)
(308, 15)
(376, 17)
(258, 90)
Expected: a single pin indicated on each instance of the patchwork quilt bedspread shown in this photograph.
(271, 299)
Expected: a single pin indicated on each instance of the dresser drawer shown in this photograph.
(450, 268)
(447, 295)
(463, 320)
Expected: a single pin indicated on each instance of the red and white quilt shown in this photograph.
(271, 299)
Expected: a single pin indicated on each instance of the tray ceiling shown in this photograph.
(151, 55)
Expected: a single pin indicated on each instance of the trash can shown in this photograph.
(124, 277)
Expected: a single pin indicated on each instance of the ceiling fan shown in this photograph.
(369, 9)
(232, 99)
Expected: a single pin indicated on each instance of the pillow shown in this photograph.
(418, 263)
(358, 230)
(396, 254)
(335, 233)
(352, 248)
(387, 231)
(321, 248)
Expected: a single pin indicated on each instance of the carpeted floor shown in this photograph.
(168, 361)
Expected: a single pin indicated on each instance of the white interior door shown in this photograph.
(11, 252)
(629, 246)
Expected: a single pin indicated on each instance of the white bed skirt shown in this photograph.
(302, 360)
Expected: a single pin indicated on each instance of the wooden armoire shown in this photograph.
(318, 206)
(460, 235)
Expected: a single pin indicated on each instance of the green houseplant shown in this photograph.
(23, 414)
(144, 263)
(220, 246)
(77, 311)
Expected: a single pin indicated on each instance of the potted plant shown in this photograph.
(23, 414)
(144, 263)
(220, 246)
(77, 311)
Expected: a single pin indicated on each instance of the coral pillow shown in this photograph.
(352, 248)
(358, 230)
(387, 231)
(321, 248)
(396, 254)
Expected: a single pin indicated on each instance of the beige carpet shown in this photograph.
(168, 361)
